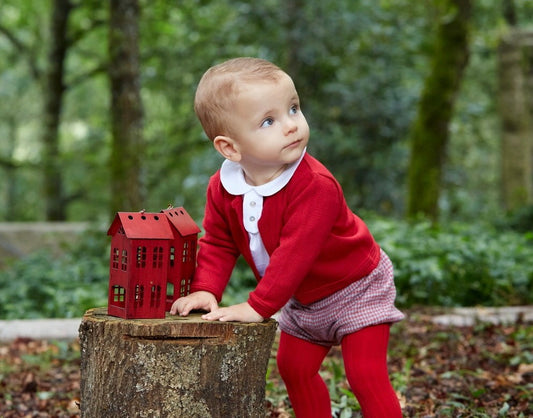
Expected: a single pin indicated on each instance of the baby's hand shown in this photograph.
(242, 312)
(197, 300)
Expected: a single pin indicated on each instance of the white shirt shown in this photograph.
(232, 178)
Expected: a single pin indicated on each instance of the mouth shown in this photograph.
(293, 144)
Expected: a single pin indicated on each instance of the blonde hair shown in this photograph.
(220, 85)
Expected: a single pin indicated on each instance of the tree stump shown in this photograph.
(173, 367)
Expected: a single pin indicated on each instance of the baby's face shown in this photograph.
(267, 124)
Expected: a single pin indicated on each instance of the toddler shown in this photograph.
(285, 213)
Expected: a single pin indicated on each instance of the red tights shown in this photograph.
(365, 361)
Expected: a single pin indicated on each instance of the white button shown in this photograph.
(252, 203)
(252, 218)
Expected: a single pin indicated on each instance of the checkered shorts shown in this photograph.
(368, 301)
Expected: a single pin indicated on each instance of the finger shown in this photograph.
(185, 308)
(180, 307)
(174, 308)
(214, 315)
(227, 315)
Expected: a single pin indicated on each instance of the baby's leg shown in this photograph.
(298, 364)
(365, 362)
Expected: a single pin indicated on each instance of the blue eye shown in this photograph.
(294, 110)
(267, 122)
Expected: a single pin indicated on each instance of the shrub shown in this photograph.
(457, 264)
(43, 286)
(454, 265)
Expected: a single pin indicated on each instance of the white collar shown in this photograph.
(232, 178)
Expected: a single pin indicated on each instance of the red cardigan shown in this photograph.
(316, 245)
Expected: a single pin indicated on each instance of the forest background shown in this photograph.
(96, 116)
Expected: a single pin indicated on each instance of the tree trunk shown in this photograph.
(430, 132)
(126, 106)
(11, 179)
(516, 113)
(509, 12)
(173, 367)
(53, 97)
(293, 21)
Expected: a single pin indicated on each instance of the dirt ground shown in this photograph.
(483, 370)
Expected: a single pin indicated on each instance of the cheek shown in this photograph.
(303, 123)
(305, 129)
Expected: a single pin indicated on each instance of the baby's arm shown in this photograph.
(196, 300)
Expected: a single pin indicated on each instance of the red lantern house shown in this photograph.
(182, 260)
(138, 266)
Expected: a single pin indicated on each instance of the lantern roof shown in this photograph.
(141, 225)
(182, 221)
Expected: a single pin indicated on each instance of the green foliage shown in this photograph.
(343, 401)
(457, 264)
(358, 67)
(520, 220)
(43, 286)
(242, 282)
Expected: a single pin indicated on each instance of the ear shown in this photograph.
(227, 147)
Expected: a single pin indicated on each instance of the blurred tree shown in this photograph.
(13, 102)
(126, 106)
(358, 66)
(515, 89)
(509, 12)
(10, 167)
(430, 132)
(54, 87)
(20, 67)
(516, 113)
(44, 49)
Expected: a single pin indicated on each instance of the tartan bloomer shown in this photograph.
(368, 301)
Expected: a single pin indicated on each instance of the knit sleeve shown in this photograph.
(217, 252)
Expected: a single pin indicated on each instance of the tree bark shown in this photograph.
(53, 98)
(173, 367)
(293, 21)
(509, 12)
(430, 132)
(515, 71)
(11, 179)
(126, 106)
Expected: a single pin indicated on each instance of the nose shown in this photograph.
(289, 126)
